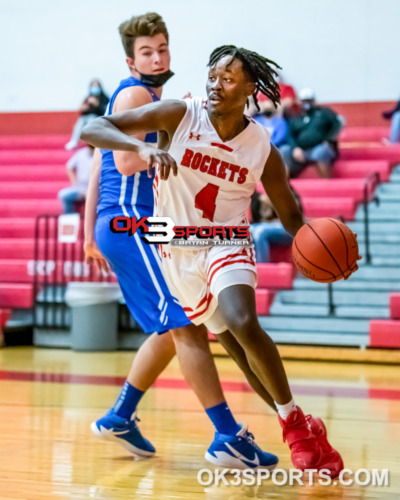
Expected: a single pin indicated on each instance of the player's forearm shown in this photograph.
(293, 222)
(90, 211)
(101, 133)
(92, 198)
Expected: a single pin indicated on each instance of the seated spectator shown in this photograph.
(289, 103)
(271, 119)
(394, 115)
(94, 105)
(78, 169)
(266, 228)
(314, 133)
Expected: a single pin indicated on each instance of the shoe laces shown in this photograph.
(134, 419)
(249, 437)
(308, 418)
(292, 425)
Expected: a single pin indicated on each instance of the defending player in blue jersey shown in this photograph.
(125, 190)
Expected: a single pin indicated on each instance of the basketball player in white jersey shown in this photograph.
(217, 155)
(116, 192)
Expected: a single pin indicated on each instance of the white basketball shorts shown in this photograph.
(196, 277)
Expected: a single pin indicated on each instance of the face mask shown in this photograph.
(307, 105)
(156, 80)
(94, 90)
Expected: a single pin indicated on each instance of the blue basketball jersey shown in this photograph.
(119, 193)
(136, 264)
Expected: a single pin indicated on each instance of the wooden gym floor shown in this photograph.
(49, 397)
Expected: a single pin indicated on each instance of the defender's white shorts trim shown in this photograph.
(196, 277)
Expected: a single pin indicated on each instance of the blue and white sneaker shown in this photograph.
(239, 452)
(111, 427)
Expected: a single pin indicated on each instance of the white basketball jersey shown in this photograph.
(215, 179)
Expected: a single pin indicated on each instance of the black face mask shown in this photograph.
(156, 80)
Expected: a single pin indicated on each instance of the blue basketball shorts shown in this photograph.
(137, 266)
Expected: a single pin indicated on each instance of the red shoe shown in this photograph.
(304, 446)
(330, 458)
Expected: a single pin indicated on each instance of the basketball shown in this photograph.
(325, 250)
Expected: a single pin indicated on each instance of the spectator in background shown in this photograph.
(93, 106)
(272, 120)
(266, 228)
(78, 169)
(289, 103)
(394, 115)
(314, 133)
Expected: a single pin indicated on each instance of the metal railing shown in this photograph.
(370, 184)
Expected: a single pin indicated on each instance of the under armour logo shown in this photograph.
(191, 136)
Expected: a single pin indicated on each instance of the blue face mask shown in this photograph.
(94, 90)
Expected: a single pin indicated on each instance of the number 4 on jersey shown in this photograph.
(206, 201)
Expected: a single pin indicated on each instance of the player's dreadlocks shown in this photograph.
(259, 68)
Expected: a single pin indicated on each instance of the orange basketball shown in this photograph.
(325, 250)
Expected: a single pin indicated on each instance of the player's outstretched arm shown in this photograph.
(110, 132)
(92, 253)
(276, 185)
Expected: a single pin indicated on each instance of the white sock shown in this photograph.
(285, 410)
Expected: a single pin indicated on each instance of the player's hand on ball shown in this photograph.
(355, 266)
(158, 158)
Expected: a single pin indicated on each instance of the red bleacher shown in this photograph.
(330, 207)
(22, 270)
(10, 207)
(394, 305)
(370, 151)
(341, 195)
(42, 190)
(17, 248)
(384, 333)
(275, 276)
(37, 141)
(353, 169)
(364, 134)
(16, 295)
(264, 298)
(16, 270)
(34, 156)
(330, 188)
(38, 173)
(32, 171)
(17, 228)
